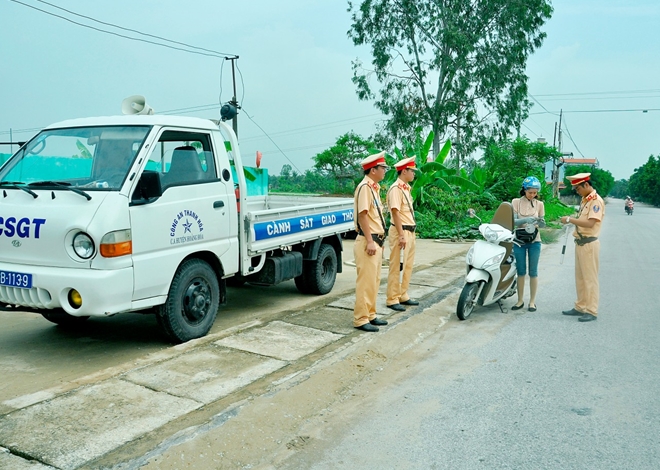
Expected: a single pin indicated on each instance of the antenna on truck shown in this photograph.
(136, 104)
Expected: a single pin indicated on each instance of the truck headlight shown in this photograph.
(83, 245)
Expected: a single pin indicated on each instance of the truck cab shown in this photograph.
(105, 215)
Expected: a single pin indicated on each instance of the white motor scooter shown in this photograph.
(491, 266)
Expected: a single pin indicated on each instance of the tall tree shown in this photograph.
(645, 182)
(343, 158)
(450, 65)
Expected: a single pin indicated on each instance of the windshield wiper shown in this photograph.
(62, 185)
(15, 185)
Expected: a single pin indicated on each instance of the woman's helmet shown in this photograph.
(531, 182)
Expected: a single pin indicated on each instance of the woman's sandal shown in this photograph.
(532, 309)
(518, 307)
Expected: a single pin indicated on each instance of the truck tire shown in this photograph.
(192, 302)
(64, 319)
(319, 275)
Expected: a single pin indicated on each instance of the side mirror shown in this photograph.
(149, 188)
(471, 213)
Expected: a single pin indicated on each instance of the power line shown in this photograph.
(571, 137)
(240, 74)
(644, 110)
(192, 109)
(539, 103)
(213, 54)
(604, 98)
(652, 90)
(133, 30)
(326, 125)
(20, 131)
(529, 129)
(277, 146)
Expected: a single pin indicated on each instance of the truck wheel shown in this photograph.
(467, 300)
(192, 302)
(64, 319)
(319, 275)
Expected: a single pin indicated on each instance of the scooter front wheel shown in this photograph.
(467, 300)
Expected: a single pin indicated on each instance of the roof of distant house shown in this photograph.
(580, 161)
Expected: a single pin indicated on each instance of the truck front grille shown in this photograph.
(35, 297)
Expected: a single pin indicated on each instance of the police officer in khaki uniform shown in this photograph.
(587, 247)
(401, 236)
(368, 247)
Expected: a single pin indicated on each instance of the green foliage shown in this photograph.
(601, 180)
(645, 182)
(310, 182)
(620, 189)
(507, 162)
(444, 214)
(430, 176)
(554, 210)
(448, 64)
(341, 162)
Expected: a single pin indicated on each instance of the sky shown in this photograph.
(599, 65)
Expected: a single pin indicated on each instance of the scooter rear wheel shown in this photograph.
(467, 300)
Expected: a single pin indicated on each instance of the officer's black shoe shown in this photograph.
(410, 302)
(367, 327)
(572, 312)
(587, 317)
(397, 307)
(378, 322)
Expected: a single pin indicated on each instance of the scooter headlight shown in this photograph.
(470, 256)
(491, 235)
(497, 259)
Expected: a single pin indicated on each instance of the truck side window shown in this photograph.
(183, 158)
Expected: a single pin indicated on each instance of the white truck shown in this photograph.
(100, 216)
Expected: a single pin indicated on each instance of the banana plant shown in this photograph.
(434, 173)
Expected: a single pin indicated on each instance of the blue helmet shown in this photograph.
(531, 182)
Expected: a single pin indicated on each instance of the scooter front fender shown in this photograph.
(476, 275)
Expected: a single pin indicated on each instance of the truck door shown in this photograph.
(192, 215)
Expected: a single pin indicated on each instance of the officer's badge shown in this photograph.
(596, 209)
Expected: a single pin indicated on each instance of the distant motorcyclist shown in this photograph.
(629, 204)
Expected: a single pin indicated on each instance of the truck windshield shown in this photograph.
(93, 158)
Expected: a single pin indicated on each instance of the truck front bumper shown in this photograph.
(103, 292)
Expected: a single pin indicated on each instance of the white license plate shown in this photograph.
(12, 279)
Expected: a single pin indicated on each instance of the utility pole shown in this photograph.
(230, 110)
(233, 101)
(555, 163)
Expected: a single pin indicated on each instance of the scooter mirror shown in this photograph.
(471, 213)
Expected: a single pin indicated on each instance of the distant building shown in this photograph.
(567, 162)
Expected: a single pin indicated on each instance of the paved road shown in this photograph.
(538, 391)
(112, 390)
